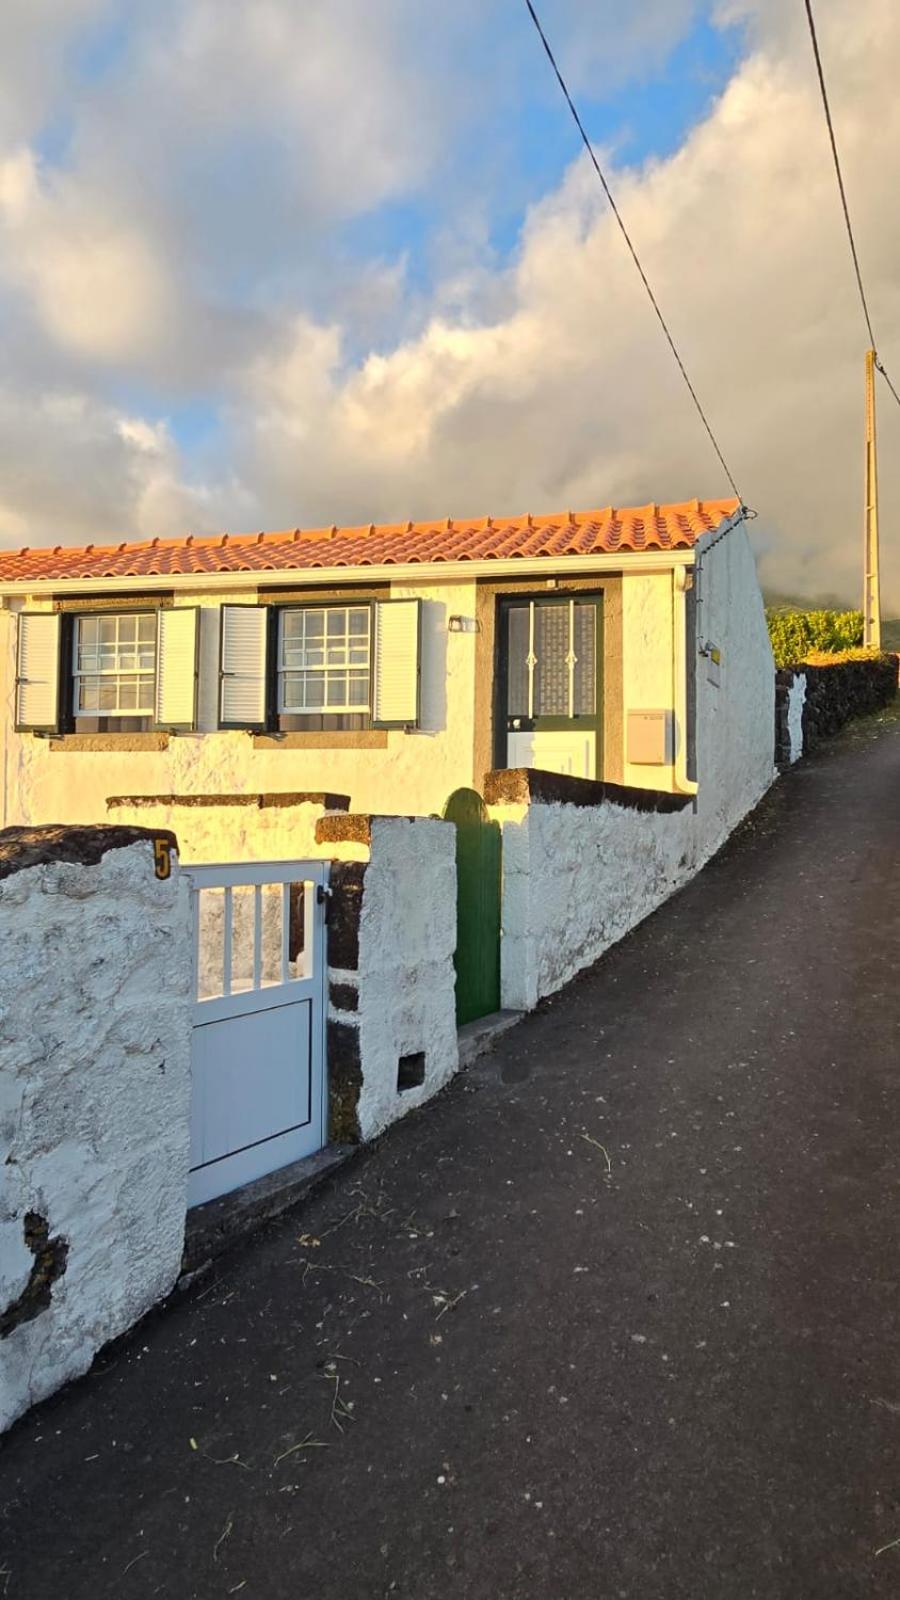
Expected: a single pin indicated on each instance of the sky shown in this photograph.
(276, 264)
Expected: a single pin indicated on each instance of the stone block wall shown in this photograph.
(392, 1039)
(95, 1026)
(812, 703)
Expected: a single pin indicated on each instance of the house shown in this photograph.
(390, 664)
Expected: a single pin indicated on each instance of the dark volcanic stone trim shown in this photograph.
(344, 907)
(343, 996)
(531, 786)
(263, 802)
(50, 1256)
(784, 681)
(21, 848)
(349, 828)
(344, 1082)
(355, 827)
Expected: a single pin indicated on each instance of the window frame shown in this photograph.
(71, 717)
(278, 671)
(505, 601)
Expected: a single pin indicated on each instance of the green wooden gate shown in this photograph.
(477, 956)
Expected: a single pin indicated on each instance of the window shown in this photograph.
(552, 659)
(114, 672)
(324, 668)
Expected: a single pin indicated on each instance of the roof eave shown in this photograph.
(408, 573)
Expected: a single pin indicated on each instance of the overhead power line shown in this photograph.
(843, 193)
(634, 255)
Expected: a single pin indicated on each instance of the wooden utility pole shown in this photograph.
(871, 581)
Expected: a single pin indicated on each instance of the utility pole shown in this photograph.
(871, 581)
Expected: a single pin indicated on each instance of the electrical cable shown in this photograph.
(634, 255)
(843, 193)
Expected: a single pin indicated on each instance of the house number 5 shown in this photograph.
(162, 857)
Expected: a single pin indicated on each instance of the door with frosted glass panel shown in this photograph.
(550, 686)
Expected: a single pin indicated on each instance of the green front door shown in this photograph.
(477, 958)
(550, 683)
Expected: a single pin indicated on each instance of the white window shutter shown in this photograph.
(177, 632)
(243, 656)
(37, 671)
(396, 663)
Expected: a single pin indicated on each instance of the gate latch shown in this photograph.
(324, 897)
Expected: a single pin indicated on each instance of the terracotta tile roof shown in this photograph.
(582, 533)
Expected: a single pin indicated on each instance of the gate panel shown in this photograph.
(477, 958)
(258, 1046)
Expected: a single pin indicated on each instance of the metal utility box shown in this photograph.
(649, 741)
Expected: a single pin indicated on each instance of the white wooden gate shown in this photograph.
(258, 1045)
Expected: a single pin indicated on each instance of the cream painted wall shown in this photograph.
(414, 774)
(647, 675)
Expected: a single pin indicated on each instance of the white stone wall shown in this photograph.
(405, 980)
(208, 834)
(95, 965)
(736, 717)
(796, 702)
(576, 879)
(414, 773)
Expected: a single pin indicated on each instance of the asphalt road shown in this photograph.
(614, 1317)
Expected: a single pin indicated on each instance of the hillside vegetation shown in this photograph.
(797, 635)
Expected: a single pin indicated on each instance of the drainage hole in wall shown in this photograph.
(411, 1071)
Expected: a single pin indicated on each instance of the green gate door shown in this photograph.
(477, 956)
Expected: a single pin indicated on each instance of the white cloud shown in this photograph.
(187, 244)
(93, 279)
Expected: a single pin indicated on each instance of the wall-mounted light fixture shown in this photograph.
(462, 625)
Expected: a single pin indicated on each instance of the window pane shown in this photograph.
(127, 694)
(107, 630)
(147, 630)
(88, 698)
(359, 689)
(337, 655)
(107, 694)
(586, 664)
(315, 624)
(87, 631)
(517, 664)
(551, 673)
(359, 623)
(146, 687)
(337, 623)
(313, 691)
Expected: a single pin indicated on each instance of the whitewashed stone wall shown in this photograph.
(399, 999)
(735, 701)
(575, 880)
(95, 964)
(796, 702)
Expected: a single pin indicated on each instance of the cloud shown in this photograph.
(188, 250)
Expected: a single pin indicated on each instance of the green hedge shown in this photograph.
(796, 634)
